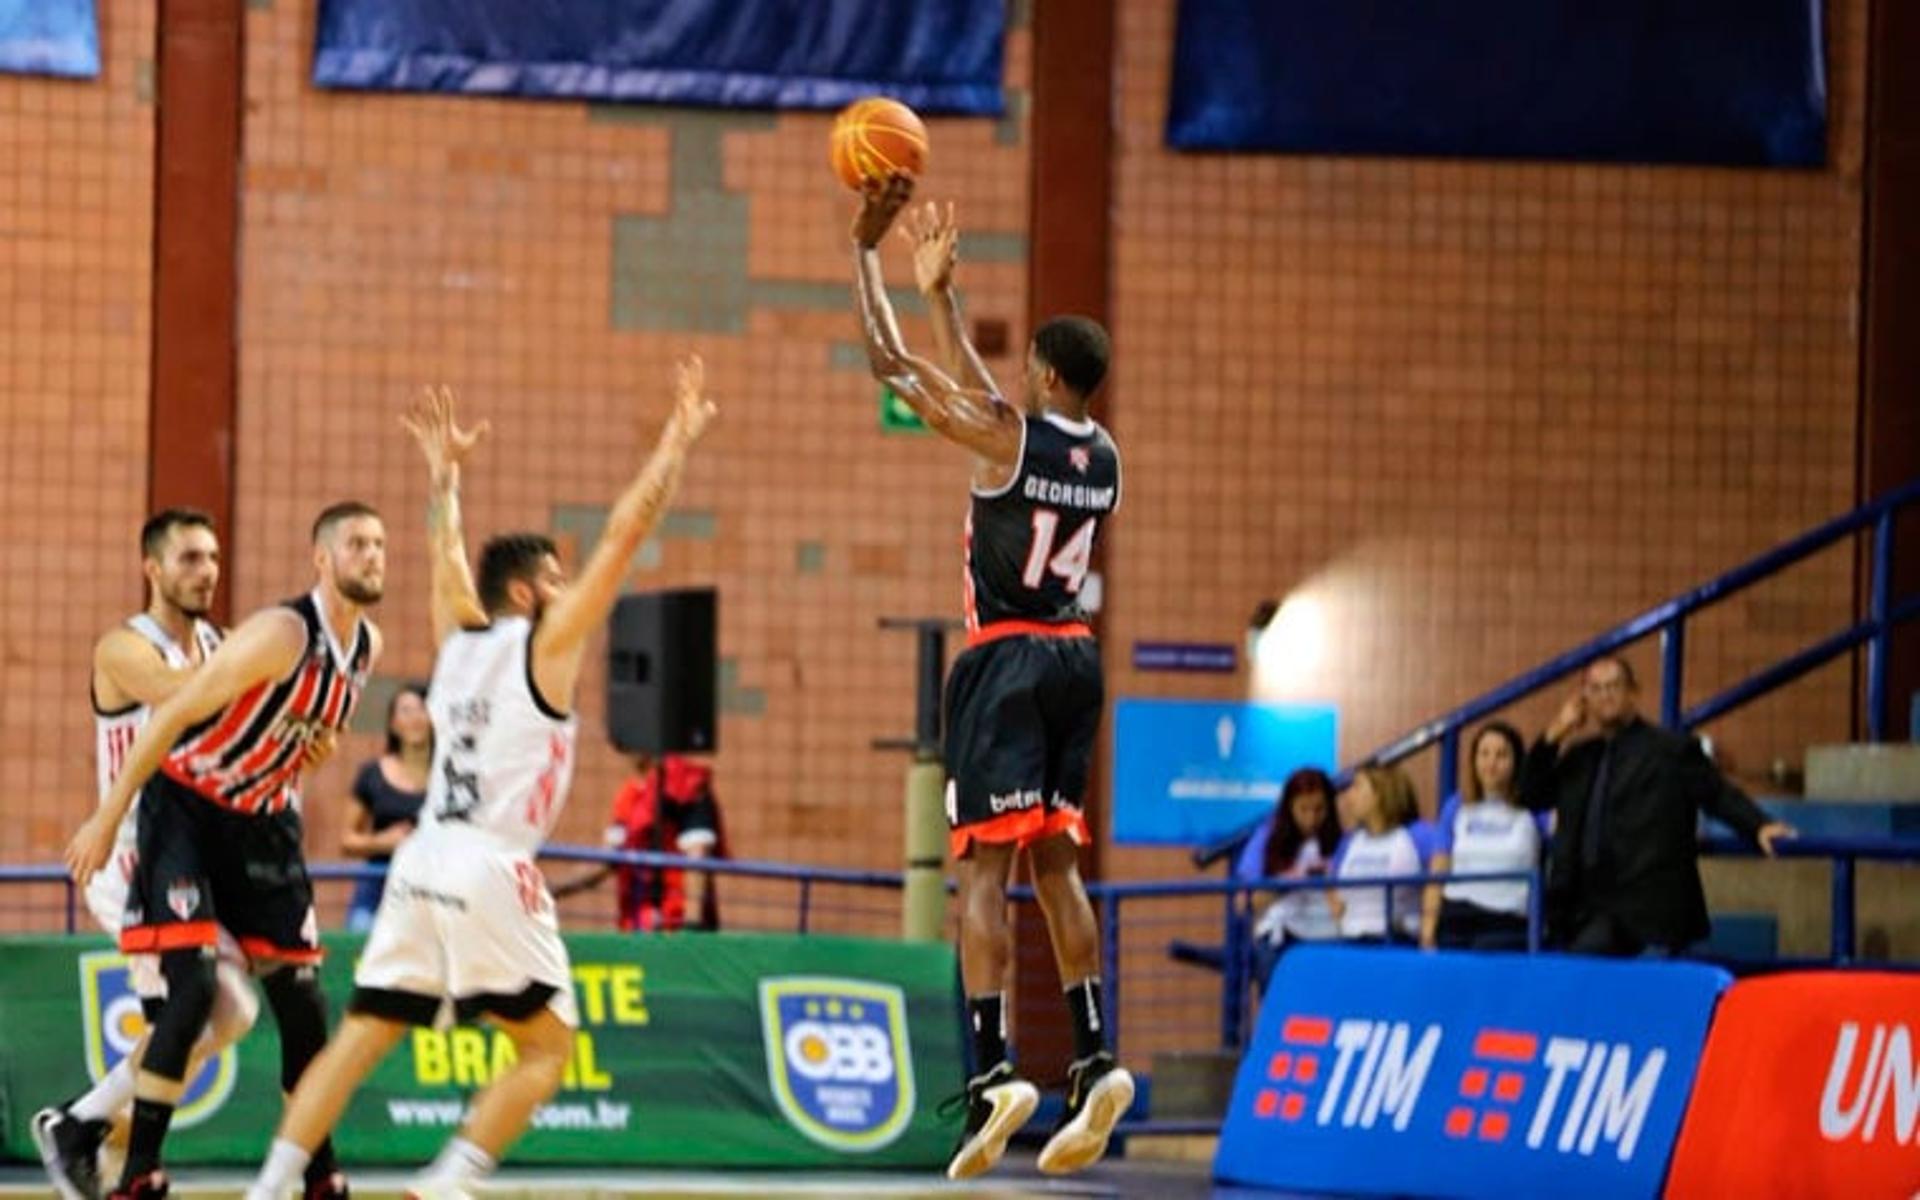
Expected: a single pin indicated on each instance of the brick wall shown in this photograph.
(76, 170)
(1477, 409)
(548, 260)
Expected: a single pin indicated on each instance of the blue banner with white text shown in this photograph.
(49, 37)
(941, 56)
(1392, 1072)
(1189, 772)
(1734, 82)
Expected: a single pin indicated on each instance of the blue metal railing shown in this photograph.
(1669, 620)
(804, 877)
(1238, 895)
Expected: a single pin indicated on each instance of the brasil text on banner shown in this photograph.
(699, 1049)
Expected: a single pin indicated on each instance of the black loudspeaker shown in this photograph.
(661, 672)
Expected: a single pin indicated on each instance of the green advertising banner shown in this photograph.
(742, 1050)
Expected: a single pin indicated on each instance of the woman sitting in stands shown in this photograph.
(1484, 831)
(1387, 839)
(1297, 843)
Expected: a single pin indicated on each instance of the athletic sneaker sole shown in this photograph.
(42, 1127)
(1013, 1105)
(1081, 1141)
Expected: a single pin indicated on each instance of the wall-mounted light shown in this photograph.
(1287, 642)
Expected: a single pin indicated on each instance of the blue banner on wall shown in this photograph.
(936, 55)
(1738, 82)
(1392, 1072)
(49, 37)
(1187, 772)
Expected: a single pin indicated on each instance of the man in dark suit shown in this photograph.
(1623, 874)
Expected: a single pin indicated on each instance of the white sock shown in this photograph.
(460, 1162)
(109, 1097)
(286, 1164)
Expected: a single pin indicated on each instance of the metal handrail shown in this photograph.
(1669, 620)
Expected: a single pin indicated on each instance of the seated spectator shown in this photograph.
(688, 824)
(1387, 839)
(1297, 842)
(387, 795)
(1482, 831)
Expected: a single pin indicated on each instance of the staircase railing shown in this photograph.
(1669, 620)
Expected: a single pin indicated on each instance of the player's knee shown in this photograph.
(189, 1003)
(545, 1045)
(235, 1005)
(300, 1010)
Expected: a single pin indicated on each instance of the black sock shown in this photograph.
(323, 1164)
(987, 1019)
(150, 1121)
(1089, 1023)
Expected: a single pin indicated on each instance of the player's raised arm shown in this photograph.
(935, 240)
(265, 646)
(583, 607)
(456, 602)
(976, 419)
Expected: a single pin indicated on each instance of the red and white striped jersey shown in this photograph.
(113, 732)
(248, 756)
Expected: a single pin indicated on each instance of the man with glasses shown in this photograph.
(1623, 875)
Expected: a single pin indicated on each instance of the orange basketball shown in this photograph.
(875, 138)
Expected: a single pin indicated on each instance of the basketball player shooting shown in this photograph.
(1023, 700)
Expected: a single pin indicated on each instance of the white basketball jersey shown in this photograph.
(113, 732)
(502, 760)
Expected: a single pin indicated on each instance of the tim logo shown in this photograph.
(1081, 458)
(1364, 1072)
(1593, 1092)
(1883, 1095)
(113, 1023)
(838, 1059)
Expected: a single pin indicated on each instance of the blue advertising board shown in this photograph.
(1392, 1072)
(1186, 772)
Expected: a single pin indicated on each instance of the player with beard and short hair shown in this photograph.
(467, 919)
(217, 773)
(136, 665)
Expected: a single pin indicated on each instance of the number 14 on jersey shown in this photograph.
(1070, 562)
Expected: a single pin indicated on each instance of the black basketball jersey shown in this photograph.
(1029, 544)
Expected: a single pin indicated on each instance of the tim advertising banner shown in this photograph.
(721, 1049)
(1810, 1088)
(1391, 1072)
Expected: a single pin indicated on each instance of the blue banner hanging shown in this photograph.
(1735, 82)
(940, 56)
(49, 37)
(1392, 1072)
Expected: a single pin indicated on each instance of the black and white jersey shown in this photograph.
(1029, 543)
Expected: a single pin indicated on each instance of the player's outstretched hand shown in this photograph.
(90, 849)
(880, 202)
(440, 438)
(693, 409)
(936, 245)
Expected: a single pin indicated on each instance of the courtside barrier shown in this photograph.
(1810, 1087)
(711, 1050)
(1392, 1072)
